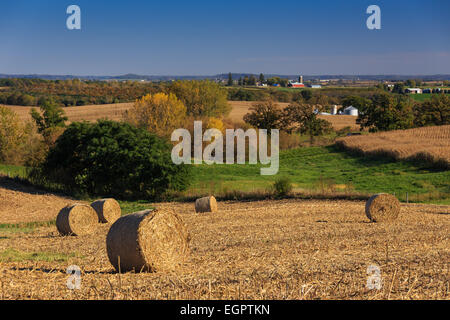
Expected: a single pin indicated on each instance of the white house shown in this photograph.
(414, 90)
(351, 111)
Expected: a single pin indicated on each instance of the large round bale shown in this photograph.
(382, 207)
(150, 241)
(108, 210)
(76, 220)
(206, 204)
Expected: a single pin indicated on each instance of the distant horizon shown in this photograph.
(219, 74)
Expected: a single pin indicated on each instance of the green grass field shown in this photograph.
(327, 169)
(421, 97)
(322, 170)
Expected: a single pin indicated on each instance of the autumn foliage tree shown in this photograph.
(159, 113)
(19, 142)
(202, 98)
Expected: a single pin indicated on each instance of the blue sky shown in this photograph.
(209, 37)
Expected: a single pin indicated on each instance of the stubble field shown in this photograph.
(427, 144)
(287, 249)
(115, 112)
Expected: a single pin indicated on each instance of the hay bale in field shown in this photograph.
(150, 240)
(206, 204)
(382, 207)
(108, 210)
(76, 220)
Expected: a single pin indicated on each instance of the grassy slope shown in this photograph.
(316, 168)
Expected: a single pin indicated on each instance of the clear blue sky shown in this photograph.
(209, 37)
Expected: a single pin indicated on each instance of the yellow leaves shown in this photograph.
(159, 113)
(215, 123)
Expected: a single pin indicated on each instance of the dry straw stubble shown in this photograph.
(76, 220)
(206, 204)
(382, 207)
(150, 240)
(108, 210)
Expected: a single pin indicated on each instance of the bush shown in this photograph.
(110, 158)
(282, 187)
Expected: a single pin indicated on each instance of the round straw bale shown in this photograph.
(108, 210)
(206, 204)
(150, 240)
(382, 207)
(76, 220)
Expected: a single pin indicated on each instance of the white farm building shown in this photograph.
(351, 111)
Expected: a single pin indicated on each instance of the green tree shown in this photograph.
(410, 83)
(386, 112)
(399, 88)
(252, 81)
(264, 115)
(110, 158)
(52, 116)
(435, 111)
(261, 78)
(230, 80)
(306, 94)
(302, 118)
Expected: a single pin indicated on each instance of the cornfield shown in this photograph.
(427, 144)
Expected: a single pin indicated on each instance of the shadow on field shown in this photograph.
(56, 270)
(20, 185)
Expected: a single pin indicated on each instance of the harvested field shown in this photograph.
(20, 204)
(341, 121)
(115, 111)
(251, 250)
(88, 113)
(428, 144)
(241, 108)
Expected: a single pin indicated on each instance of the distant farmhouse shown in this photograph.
(413, 90)
(296, 84)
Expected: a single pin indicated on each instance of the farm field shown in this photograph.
(241, 108)
(319, 170)
(115, 111)
(328, 170)
(88, 113)
(287, 249)
(420, 143)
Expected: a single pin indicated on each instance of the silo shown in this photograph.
(334, 110)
